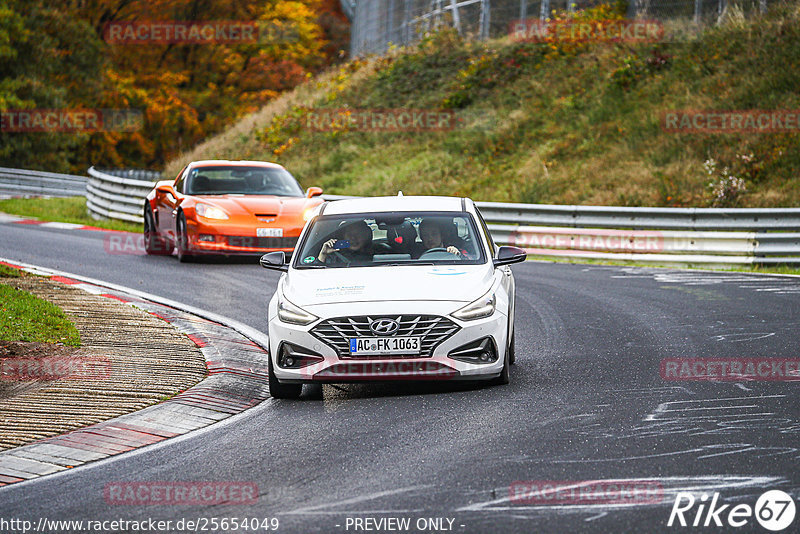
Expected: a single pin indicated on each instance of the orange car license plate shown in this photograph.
(269, 232)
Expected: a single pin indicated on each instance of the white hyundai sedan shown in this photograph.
(392, 288)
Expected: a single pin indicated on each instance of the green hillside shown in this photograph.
(558, 123)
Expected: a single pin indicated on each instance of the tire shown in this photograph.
(182, 246)
(282, 391)
(153, 244)
(505, 375)
(512, 353)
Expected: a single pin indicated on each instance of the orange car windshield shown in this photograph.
(238, 180)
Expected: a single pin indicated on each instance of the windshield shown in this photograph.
(370, 239)
(238, 180)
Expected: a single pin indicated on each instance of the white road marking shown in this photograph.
(61, 225)
(6, 218)
(743, 336)
(671, 487)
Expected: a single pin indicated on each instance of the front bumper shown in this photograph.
(438, 366)
(233, 238)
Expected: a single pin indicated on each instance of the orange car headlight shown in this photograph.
(210, 212)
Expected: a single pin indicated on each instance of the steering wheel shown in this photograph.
(341, 257)
(439, 250)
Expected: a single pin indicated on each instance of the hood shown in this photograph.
(308, 287)
(251, 204)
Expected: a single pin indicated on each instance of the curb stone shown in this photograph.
(236, 358)
(17, 219)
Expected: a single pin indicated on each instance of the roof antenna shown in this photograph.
(399, 193)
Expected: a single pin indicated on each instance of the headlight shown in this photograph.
(210, 212)
(289, 313)
(483, 307)
(308, 213)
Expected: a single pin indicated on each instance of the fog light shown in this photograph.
(207, 238)
(482, 351)
(295, 357)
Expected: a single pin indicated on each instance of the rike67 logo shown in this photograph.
(774, 510)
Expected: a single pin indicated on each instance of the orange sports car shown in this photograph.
(227, 207)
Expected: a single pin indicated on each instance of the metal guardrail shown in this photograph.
(118, 194)
(693, 219)
(725, 236)
(378, 24)
(722, 236)
(658, 235)
(21, 182)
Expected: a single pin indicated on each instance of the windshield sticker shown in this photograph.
(309, 259)
(341, 290)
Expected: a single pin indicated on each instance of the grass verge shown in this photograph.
(9, 272)
(67, 210)
(24, 317)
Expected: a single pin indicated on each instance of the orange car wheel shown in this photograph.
(153, 244)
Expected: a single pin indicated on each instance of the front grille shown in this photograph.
(337, 332)
(261, 242)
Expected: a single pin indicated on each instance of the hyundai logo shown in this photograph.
(384, 327)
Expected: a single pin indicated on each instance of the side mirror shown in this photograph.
(312, 192)
(509, 255)
(167, 189)
(275, 261)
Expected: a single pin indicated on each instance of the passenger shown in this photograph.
(431, 234)
(359, 235)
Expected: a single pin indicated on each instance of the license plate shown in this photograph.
(385, 346)
(269, 232)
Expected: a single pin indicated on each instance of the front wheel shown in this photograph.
(182, 246)
(505, 375)
(282, 391)
(154, 245)
(512, 353)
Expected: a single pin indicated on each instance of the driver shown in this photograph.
(257, 182)
(359, 235)
(431, 234)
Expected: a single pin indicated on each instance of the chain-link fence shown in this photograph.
(377, 24)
